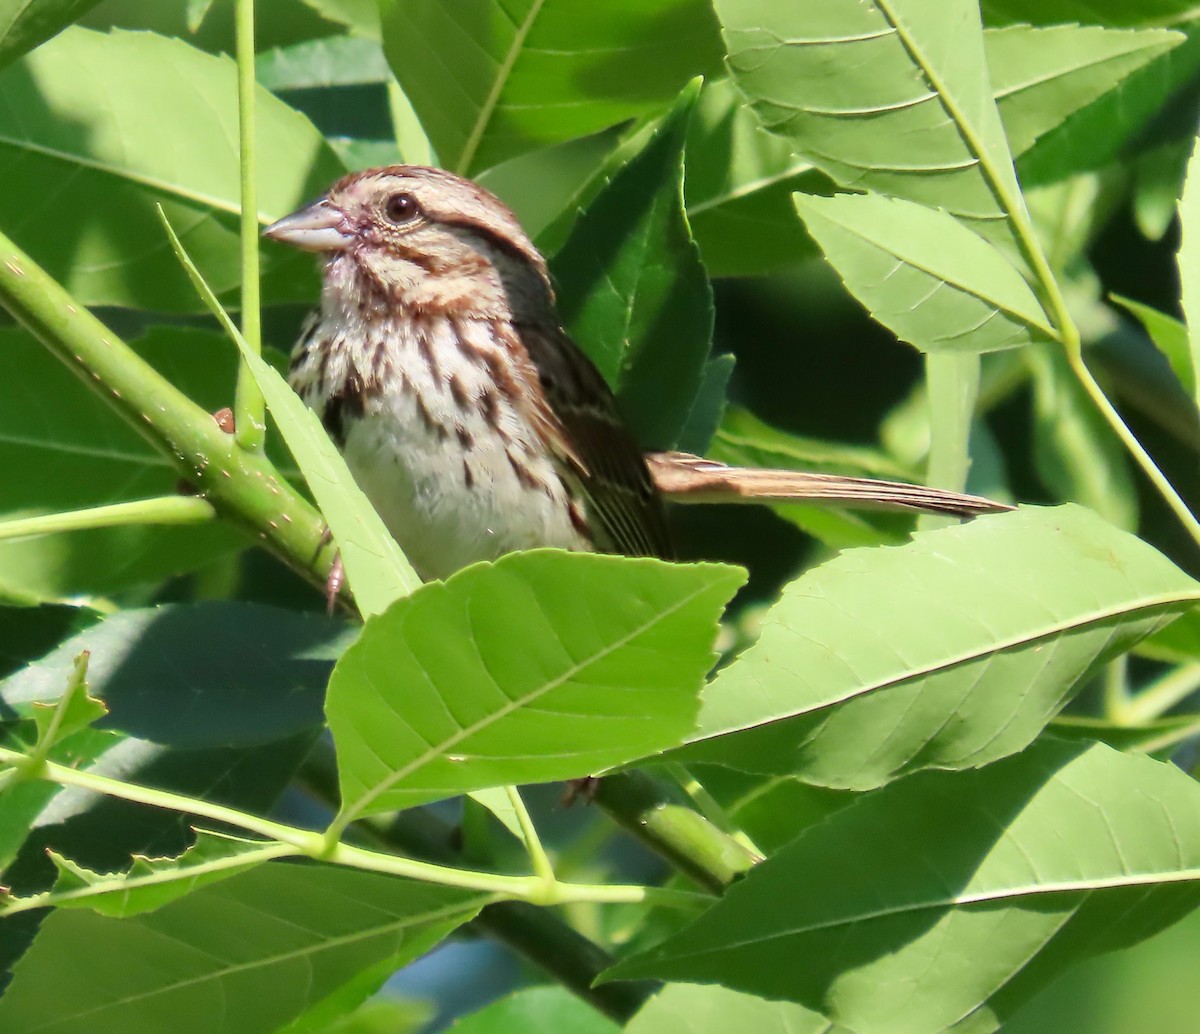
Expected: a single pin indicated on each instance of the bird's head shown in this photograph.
(421, 239)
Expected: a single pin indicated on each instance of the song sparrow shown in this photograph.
(472, 422)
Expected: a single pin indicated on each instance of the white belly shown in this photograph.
(448, 508)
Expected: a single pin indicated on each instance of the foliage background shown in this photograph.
(837, 389)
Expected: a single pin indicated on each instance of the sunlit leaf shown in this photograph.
(949, 652)
(1042, 75)
(1189, 276)
(694, 1009)
(888, 97)
(491, 81)
(537, 1010)
(267, 944)
(542, 666)
(1032, 864)
(924, 275)
(162, 130)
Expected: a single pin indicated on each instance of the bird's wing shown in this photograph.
(580, 424)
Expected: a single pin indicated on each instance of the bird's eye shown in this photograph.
(401, 208)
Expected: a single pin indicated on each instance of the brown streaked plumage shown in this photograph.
(473, 423)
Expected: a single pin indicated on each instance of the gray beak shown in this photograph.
(319, 227)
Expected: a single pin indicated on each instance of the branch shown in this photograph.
(244, 487)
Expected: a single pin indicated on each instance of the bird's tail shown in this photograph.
(684, 478)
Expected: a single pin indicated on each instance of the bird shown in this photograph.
(439, 366)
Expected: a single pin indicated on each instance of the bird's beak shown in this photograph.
(319, 227)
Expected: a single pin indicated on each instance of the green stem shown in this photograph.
(709, 857)
(1160, 696)
(249, 408)
(244, 487)
(533, 842)
(529, 888)
(124, 883)
(76, 682)
(710, 807)
(34, 768)
(170, 509)
(1116, 689)
(952, 384)
(1149, 467)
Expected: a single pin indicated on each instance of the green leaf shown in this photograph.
(210, 674)
(495, 800)
(267, 944)
(952, 391)
(542, 187)
(27, 633)
(197, 11)
(542, 666)
(317, 63)
(62, 448)
(632, 291)
(1159, 737)
(924, 275)
(695, 1009)
(891, 97)
(376, 569)
(708, 406)
(490, 81)
(1168, 334)
(378, 1016)
(1189, 276)
(1178, 643)
(151, 883)
(771, 810)
(738, 189)
(537, 1010)
(75, 710)
(103, 832)
(162, 130)
(1077, 455)
(26, 23)
(996, 623)
(1118, 13)
(1042, 75)
(740, 177)
(359, 16)
(1103, 131)
(1158, 177)
(1031, 864)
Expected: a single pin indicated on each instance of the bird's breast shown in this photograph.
(433, 430)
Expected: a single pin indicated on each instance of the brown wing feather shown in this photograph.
(583, 428)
